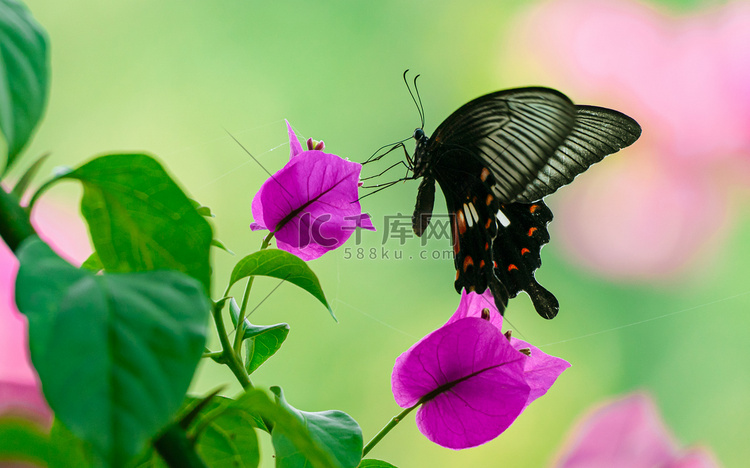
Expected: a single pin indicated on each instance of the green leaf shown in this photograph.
(283, 265)
(24, 75)
(216, 407)
(65, 449)
(23, 183)
(286, 424)
(21, 440)
(229, 441)
(372, 463)
(93, 263)
(334, 431)
(115, 352)
(201, 209)
(140, 219)
(261, 341)
(220, 245)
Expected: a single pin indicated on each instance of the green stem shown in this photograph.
(230, 357)
(15, 225)
(391, 424)
(239, 333)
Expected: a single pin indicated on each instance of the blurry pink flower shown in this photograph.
(627, 433)
(20, 393)
(686, 80)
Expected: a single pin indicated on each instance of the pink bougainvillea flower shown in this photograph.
(686, 78)
(472, 380)
(311, 204)
(628, 433)
(20, 392)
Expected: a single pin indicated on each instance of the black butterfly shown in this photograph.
(495, 158)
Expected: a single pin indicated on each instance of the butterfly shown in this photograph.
(495, 159)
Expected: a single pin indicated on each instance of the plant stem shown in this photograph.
(15, 225)
(391, 424)
(239, 333)
(230, 357)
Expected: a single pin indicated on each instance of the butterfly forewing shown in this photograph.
(598, 132)
(513, 133)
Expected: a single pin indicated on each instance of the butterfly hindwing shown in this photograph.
(516, 252)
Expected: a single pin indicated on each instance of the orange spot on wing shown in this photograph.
(489, 199)
(488, 223)
(524, 251)
(532, 231)
(494, 263)
(485, 173)
(457, 275)
(486, 246)
(533, 208)
(461, 221)
(481, 264)
(468, 261)
(512, 267)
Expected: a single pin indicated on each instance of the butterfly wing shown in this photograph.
(513, 133)
(597, 133)
(516, 145)
(516, 252)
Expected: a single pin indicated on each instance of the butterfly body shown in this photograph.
(494, 159)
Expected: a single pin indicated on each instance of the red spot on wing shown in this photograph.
(512, 267)
(485, 173)
(468, 262)
(524, 251)
(486, 246)
(481, 264)
(532, 231)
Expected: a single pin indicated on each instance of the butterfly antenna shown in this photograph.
(419, 109)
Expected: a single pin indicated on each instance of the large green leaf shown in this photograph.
(283, 265)
(24, 76)
(140, 219)
(115, 352)
(334, 431)
(261, 341)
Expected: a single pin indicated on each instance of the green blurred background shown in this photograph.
(169, 77)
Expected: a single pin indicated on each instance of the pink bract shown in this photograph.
(311, 204)
(473, 382)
